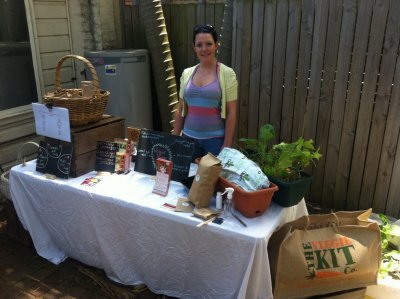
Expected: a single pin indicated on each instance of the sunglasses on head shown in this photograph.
(207, 27)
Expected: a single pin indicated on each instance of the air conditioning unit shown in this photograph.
(126, 74)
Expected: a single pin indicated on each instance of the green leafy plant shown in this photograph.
(390, 263)
(283, 160)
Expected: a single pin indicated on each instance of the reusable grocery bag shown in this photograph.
(242, 171)
(320, 254)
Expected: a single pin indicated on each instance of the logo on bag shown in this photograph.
(329, 258)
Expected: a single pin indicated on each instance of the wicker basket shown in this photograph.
(4, 181)
(4, 185)
(82, 110)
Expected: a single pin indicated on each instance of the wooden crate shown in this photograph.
(84, 141)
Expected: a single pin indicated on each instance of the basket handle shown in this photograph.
(19, 154)
(88, 64)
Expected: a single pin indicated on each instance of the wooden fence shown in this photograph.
(326, 70)
(180, 18)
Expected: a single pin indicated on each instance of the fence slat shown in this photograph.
(354, 90)
(393, 202)
(167, 16)
(338, 103)
(326, 93)
(278, 70)
(175, 39)
(379, 117)
(307, 27)
(210, 18)
(190, 23)
(317, 56)
(236, 54)
(130, 16)
(292, 50)
(256, 50)
(244, 34)
(266, 64)
(183, 34)
(201, 13)
(377, 33)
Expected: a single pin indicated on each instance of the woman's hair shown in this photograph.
(205, 28)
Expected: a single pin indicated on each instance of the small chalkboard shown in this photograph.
(54, 158)
(154, 145)
(105, 156)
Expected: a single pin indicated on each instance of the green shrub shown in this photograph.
(283, 160)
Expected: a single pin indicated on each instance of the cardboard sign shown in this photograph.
(105, 156)
(154, 145)
(54, 158)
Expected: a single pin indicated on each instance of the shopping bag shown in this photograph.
(242, 171)
(320, 254)
(204, 182)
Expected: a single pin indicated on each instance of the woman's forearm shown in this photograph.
(230, 123)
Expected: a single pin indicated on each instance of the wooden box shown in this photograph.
(84, 141)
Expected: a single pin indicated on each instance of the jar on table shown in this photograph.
(87, 89)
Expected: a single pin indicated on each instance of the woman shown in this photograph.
(207, 97)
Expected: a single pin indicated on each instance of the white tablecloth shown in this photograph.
(119, 225)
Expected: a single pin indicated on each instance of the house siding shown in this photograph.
(57, 28)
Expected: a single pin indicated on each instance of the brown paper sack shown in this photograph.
(320, 254)
(204, 181)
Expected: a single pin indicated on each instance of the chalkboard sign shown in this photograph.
(54, 158)
(154, 145)
(105, 156)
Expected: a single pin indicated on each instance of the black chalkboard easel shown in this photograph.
(54, 158)
(153, 145)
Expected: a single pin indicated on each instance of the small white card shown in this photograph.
(52, 122)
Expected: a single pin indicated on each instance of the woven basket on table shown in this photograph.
(5, 177)
(82, 110)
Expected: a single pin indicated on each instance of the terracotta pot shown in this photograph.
(250, 203)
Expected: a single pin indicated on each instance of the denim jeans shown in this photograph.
(204, 146)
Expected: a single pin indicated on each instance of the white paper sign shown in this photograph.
(52, 122)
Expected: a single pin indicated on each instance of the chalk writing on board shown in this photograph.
(184, 143)
(153, 145)
(54, 150)
(105, 156)
(42, 158)
(63, 163)
(54, 158)
(160, 150)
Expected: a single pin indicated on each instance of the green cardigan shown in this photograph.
(227, 81)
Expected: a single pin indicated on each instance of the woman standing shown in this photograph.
(207, 97)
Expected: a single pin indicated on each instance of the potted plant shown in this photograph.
(283, 163)
(251, 199)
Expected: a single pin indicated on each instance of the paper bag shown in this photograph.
(320, 254)
(204, 182)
